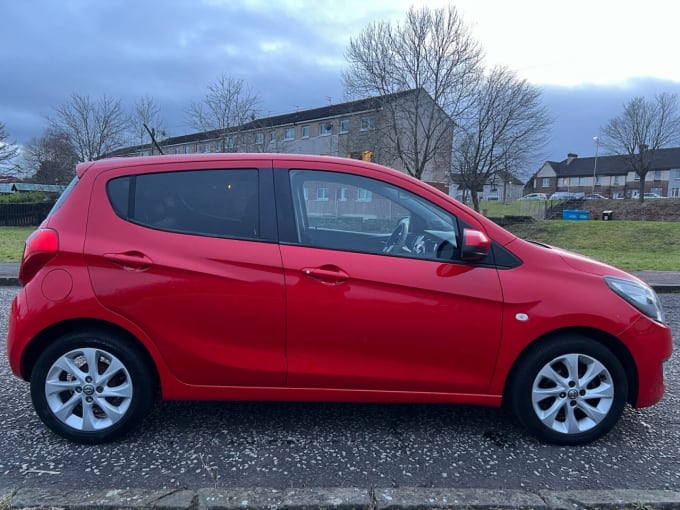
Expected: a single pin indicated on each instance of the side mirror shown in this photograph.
(476, 245)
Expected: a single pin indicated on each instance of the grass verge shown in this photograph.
(629, 245)
(12, 242)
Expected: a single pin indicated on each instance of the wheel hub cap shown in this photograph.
(572, 393)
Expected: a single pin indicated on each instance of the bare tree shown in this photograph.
(8, 150)
(93, 127)
(146, 111)
(431, 53)
(229, 103)
(51, 158)
(644, 127)
(507, 128)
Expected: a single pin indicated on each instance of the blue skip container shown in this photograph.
(571, 214)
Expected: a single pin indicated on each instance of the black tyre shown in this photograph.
(91, 387)
(569, 391)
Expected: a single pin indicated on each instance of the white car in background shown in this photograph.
(535, 196)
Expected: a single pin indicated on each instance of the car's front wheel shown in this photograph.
(569, 391)
(91, 386)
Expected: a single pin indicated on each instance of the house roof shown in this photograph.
(49, 188)
(299, 117)
(664, 159)
(6, 187)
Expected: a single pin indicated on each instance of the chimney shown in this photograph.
(571, 157)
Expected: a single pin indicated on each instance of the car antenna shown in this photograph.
(153, 138)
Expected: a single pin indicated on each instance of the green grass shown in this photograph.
(629, 245)
(12, 242)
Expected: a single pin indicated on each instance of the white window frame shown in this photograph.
(344, 126)
(289, 134)
(259, 138)
(305, 131)
(367, 123)
(322, 194)
(325, 129)
(364, 195)
(545, 182)
(272, 136)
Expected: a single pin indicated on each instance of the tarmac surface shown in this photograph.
(402, 498)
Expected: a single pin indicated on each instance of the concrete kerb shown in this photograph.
(339, 499)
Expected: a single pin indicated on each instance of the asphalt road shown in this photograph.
(277, 445)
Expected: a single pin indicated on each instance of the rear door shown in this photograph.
(188, 252)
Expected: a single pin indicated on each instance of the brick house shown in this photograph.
(610, 176)
(355, 129)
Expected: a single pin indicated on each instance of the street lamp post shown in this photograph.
(597, 149)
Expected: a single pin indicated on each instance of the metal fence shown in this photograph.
(23, 215)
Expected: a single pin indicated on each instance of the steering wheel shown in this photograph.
(397, 239)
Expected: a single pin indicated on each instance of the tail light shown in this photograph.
(41, 246)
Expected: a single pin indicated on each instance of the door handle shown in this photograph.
(130, 260)
(329, 274)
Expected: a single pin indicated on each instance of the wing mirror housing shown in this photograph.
(476, 245)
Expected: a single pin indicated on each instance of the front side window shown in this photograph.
(546, 182)
(393, 222)
(219, 203)
(259, 138)
(290, 133)
(344, 126)
(305, 131)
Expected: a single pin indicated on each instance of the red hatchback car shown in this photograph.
(288, 277)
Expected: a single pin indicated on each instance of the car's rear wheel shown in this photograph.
(569, 391)
(91, 386)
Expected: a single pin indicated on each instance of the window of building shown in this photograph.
(364, 195)
(367, 123)
(272, 136)
(322, 194)
(215, 203)
(178, 150)
(675, 192)
(657, 175)
(186, 149)
(617, 180)
(325, 129)
(290, 134)
(259, 138)
(305, 131)
(344, 126)
(343, 194)
(637, 176)
(546, 182)
(230, 143)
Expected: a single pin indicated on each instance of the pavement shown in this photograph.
(403, 498)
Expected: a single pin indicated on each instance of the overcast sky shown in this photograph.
(588, 57)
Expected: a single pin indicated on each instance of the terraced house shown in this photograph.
(610, 176)
(357, 129)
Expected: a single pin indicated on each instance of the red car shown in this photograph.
(288, 277)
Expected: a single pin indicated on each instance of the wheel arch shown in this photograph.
(612, 343)
(42, 339)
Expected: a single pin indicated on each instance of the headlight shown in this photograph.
(639, 295)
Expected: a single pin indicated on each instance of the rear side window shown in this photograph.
(220, 203)
(64, 196)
